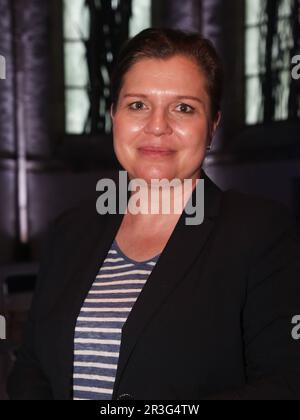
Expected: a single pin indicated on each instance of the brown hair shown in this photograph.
(164, 44)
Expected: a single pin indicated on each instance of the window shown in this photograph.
(271, 39)
(141, 16)
(77, 32)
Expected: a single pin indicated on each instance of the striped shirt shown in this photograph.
(99, 325)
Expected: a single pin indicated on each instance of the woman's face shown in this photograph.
(162, 123)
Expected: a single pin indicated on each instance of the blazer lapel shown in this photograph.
(86, 255)
(167, 274)
(90, 251)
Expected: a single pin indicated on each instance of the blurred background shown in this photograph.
(56, 59)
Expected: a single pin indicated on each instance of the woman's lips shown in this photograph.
(151, 151)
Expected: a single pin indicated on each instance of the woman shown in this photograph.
(143, 306)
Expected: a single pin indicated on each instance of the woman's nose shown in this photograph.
(158, 123)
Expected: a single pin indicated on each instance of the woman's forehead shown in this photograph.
(177, 75)
(164, 67)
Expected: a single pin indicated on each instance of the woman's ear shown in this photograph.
(216, 123)
(213, 129)
(112, 111)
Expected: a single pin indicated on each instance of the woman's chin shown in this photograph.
(150, 174)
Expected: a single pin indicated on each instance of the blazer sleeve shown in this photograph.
(27, 381)
(272, 355)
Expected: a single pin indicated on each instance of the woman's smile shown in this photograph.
(156, 152)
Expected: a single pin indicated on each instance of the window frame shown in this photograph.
(255, 76)
(239, 141)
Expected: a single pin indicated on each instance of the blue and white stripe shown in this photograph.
(99, 325)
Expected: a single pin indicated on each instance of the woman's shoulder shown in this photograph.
(77, 220)
(256, 215)
(236, 207)
(253, 206)
(83, 210)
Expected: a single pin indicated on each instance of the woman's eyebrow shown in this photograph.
(141, 95)
(135, 95)
(192, 98)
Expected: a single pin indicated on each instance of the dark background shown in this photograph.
(44, 170)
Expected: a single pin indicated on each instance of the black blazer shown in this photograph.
(214, 320)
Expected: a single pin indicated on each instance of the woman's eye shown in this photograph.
(186, 109)
(137, 106)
